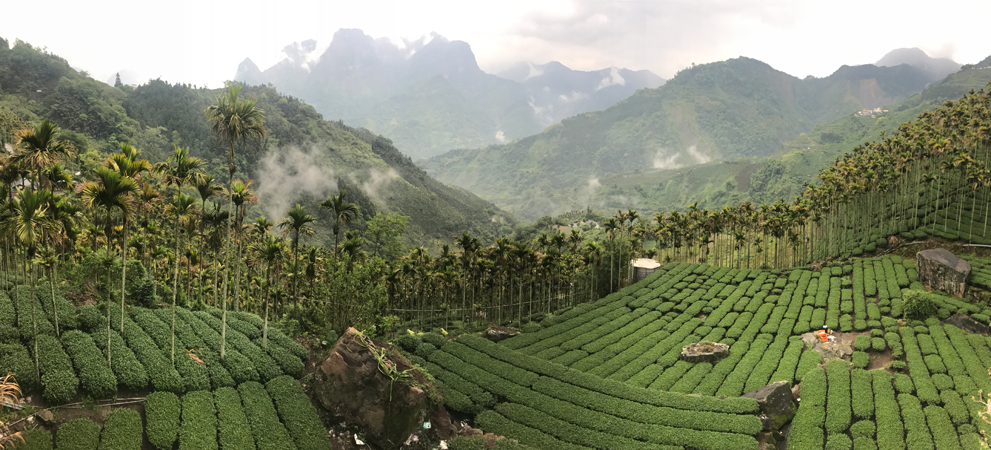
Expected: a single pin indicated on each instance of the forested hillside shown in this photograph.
(304, 157)
(782, 175)
(712, 112)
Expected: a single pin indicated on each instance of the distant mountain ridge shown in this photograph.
(720, 111)
(430, 96)
(782, 175)
(935, 68)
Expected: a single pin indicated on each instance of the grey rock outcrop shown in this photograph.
(351, 384)
(941, 270)
(710, 352)
(967, 323)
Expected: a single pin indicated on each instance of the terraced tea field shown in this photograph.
(607, 374)
(249, 400)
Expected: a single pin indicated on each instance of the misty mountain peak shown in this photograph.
(934, 68)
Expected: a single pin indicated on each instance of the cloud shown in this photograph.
(501, 137)
(285, 174)
(574, 96)
(535, 71)
(613, 79)
(662, 160)
(588, 191)
(699, 156)
(376, 183)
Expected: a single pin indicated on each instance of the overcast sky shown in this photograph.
(197, 41)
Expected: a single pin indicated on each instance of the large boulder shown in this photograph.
(941, 270)
(371, 386)
(710, 352)
(967, 323)
(777, 404)
(499, 333)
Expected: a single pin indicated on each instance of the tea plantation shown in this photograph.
(607, 374)
(249, 400)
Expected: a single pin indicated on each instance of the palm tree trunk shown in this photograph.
(227, 251)
(237, 274)
(123, 274)
(268, 285)
(34, 325)
(51, 283)
(175, 285)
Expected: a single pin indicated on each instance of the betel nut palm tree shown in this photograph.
(344, 212)
(113, 192)
(296, 224)
(29, 224)
(233, 120)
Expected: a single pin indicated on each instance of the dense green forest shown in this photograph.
(765, 180)
(711, 112)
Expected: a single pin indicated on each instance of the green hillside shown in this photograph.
(719, 111)
(764, 180)
(607, 374)
(155, 116)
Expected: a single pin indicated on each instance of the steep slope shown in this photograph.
(303, 159)
(719, 111)
(764, 180)
(430, 96)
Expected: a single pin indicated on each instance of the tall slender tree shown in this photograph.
(296, 224)
(233, 120)
(344, 212)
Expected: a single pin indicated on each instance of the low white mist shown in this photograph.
(376, 183)
(286, 173)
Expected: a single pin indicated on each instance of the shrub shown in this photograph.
(129, 371)
(122, 430)
(903, 384)
(838, 403)
(942, 381)
(162, 416)
(22, 300)
(269, 433)
(860, 359)
(94, 374)
(862, 343)
(877, 344)
(35, 439)
(15, 359)
(918, 305)
(955, 407)
(890, 432)
(57, 377)
(409, 342)
(862, 398)
(78, 434)
(232, 425)
(806, 428)
(199, 422)
(809, 360)
(8, 319)
(91, 319)
(298, 414)
(163, 375)
(838, 442)
(939, 421)
(862, 429)
(918, 436)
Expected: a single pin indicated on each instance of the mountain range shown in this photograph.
(429, 95)
(303, 159)
(707, 114)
